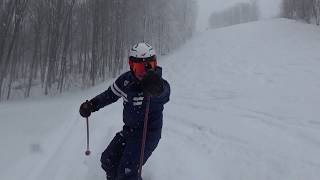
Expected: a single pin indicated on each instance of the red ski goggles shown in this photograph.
(140, 67)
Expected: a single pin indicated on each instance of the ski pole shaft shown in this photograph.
(88, 149)
(144, 136)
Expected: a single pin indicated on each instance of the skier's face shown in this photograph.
(140, 68)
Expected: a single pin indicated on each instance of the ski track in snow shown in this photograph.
(244, 106)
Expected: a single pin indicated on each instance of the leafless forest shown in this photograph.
(307, 10)
(51, 46)
(239, 13)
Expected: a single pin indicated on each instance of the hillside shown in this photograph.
(244, 106)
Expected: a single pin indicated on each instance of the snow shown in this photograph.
(244, 106)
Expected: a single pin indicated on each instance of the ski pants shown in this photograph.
(121, 158)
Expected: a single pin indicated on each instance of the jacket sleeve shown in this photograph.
(164, 97)
(111, 95)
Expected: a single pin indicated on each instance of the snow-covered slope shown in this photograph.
(244, 105)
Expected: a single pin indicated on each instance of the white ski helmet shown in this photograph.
(142, 57)
(142, 51)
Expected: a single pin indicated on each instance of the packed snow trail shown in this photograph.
(244, 106)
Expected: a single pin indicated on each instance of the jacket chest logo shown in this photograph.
(137, 101)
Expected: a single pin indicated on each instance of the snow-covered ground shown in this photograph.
(244, 106)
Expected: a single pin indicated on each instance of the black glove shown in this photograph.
(86, 108)
(152, 83)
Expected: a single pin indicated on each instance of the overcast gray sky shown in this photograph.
(269, 8)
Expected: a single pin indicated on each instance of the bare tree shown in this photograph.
(239, 13)
(36, 20)
(14, 16)
(306, 10)
(66, 44)
(57, 44)
(316, 11)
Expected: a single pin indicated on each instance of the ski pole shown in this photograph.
(144, 136)
(88, 149)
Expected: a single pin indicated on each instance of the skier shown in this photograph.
(140, 86)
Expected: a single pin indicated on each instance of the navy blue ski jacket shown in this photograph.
(127, 87)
